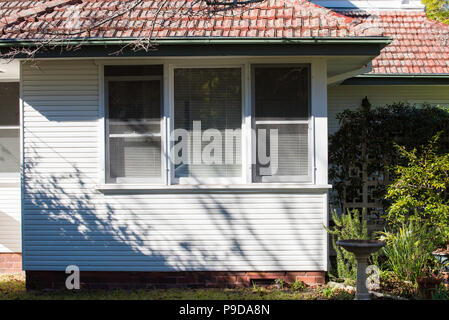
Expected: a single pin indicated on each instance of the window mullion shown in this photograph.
(248, 127)
(169, 112)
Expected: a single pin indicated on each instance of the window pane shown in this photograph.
(282, 92)
(290, 158)
(135, 158)
(9, 104)
(211, 98)
(134, 100)
(281, 103)
(9, 150)
(134, 112)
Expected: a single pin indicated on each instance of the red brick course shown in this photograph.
(194, 279)
(10, 262)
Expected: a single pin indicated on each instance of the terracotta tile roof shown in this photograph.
(420, 45)
(180, 18)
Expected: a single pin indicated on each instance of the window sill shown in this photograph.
(261, 187)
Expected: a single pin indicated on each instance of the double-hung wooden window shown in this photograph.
(281, 116)
(133, 126)
(9, 130)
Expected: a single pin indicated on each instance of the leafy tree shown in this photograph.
(420, 192)
(437, 10)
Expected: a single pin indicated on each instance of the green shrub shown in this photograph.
(279, 283)
(440, 293)
(328, 293)
(298, 286)
(365, 142)
(350, 225)
(409, 251)
(420, 192)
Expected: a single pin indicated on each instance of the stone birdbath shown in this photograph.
(362, 249)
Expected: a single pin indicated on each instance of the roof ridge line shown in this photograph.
(333, 12)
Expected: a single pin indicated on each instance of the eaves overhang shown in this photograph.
(399, 79)
(103, 47)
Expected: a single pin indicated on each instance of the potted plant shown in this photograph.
(427, 282)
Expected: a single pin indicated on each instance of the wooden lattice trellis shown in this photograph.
(368, 196)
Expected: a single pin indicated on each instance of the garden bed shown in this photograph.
(12, 287)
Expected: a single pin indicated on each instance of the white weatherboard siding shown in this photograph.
(66, 220)
(10, 228)
(350, 97)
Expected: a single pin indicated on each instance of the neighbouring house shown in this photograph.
(202, 161)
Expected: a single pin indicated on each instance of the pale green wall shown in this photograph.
(350, 97)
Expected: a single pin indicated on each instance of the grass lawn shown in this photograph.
(12, 287)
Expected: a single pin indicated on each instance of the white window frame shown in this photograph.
(318, 136)
(12, 176)
(171, 115)
(288, 179)
(133, 135)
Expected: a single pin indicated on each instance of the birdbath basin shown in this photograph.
(362, 249)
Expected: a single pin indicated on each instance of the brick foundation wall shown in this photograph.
(10, 262)
(36, 280)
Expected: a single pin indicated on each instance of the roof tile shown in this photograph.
(419, 43)
(278, 14)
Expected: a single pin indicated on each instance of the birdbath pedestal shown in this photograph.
(362, 249)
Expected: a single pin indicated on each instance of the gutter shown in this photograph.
(201, 40)
(337, 79)
(405, 76)
(399, 79)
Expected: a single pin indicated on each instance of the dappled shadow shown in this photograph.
(69, 220)
(66, 220)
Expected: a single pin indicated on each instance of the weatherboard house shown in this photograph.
(201, 161)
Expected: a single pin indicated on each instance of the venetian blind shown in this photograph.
(211, 98)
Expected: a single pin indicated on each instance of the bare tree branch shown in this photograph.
(167, 12)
